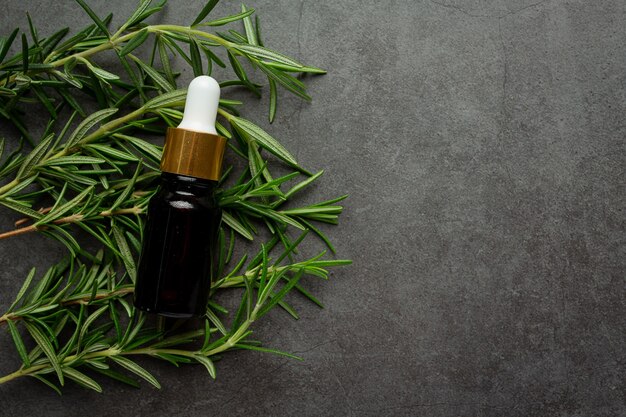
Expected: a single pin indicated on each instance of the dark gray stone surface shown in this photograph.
(482, 143)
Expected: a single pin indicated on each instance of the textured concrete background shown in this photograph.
(482, 143)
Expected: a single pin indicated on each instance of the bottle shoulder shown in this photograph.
(185, 195)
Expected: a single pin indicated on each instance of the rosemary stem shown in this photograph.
(228, 282)
(7, 187)
(74, 218)
(224, 114)
(18, 232)
(102, 130)
(190, 31)
(100, 295)
(111, 44)
(238, 279)
(11, 376)
(69, 219)
(232, 341)
(33, 369)
(234, 338)
(115, 41)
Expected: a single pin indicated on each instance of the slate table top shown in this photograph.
(482, 145)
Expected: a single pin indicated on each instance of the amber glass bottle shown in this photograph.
(177, 262)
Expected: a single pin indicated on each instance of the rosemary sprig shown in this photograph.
(96, 173)
(61, 301)
(71, 282)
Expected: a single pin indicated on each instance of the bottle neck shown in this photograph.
(185, 183)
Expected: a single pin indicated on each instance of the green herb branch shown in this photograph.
(94, 172)
(43, 308)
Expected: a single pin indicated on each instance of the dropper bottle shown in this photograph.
(177, 261)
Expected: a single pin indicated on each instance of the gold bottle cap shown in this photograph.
(195, 154)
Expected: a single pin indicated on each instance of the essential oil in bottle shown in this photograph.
(177, 261)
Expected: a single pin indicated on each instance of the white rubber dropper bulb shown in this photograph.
(203, 97)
